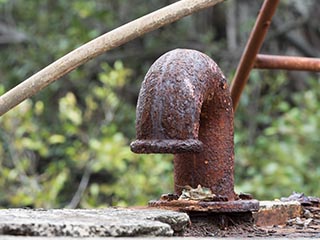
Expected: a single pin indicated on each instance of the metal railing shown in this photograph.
(251, 59)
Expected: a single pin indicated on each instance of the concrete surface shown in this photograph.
(140, 238)
(141, 223)
(115, 222)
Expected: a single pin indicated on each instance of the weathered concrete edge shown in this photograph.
(92, 223)
(138, 238)
(142, 238)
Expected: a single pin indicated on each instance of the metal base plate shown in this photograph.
(203, 206)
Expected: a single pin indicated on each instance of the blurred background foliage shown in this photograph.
(68, 146)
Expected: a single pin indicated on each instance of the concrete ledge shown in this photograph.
(115, 222)
(276, 212)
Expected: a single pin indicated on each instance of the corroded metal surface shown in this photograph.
(276, 212)
(184, 106)
(288, 63)
(167, 146)
(202, 206)
(252, 48)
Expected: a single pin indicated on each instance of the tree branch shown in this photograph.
(82, 186)
(97, 46)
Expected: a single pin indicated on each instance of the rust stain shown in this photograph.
(201, 206)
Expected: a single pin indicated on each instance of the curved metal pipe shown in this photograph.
(185, 108)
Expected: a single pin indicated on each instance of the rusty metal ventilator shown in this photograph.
(185, 108)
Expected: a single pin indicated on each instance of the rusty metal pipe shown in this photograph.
(287, 63)
(185, 108)
(251, 50)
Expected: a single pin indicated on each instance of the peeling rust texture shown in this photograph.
(185, 108)
(167, 146)
(199, 206)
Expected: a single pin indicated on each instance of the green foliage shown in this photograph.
(69, 144)
(283, 156)
(41, 165)
(71, 140)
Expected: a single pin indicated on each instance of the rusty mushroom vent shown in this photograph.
(184, 107)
